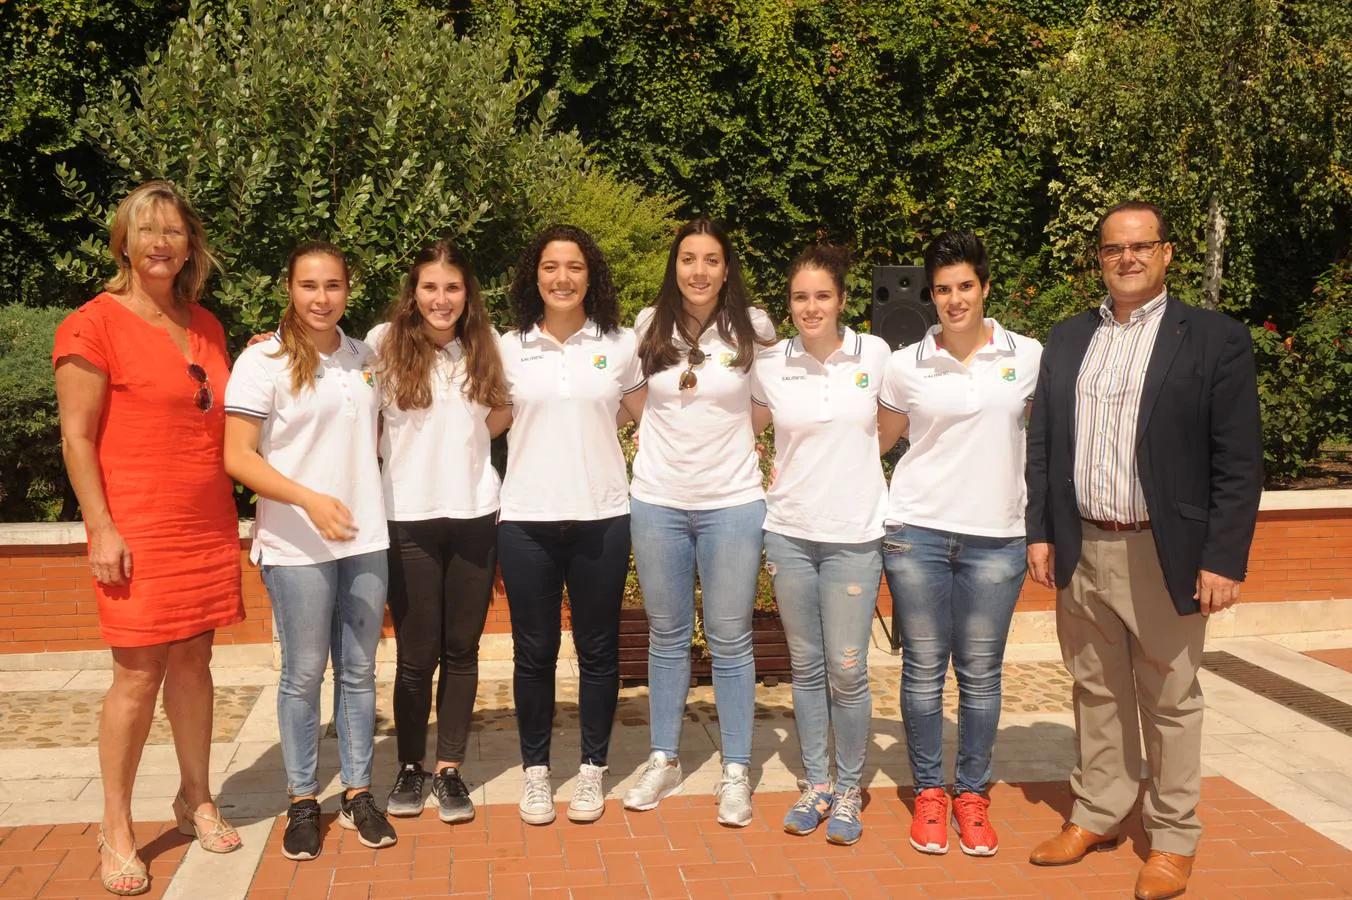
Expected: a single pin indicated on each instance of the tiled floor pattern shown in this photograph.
(1340, 657)
(1250, 850)
(63, 860)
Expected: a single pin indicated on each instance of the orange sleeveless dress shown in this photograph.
(163, 471)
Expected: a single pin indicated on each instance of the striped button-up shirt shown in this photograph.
(1107, 406)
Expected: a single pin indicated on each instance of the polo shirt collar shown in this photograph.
(535, 333)
(851, 344)
(345, 343)
(1155, 306)
(1000, 341)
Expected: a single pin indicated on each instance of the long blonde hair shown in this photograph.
(192, 278)
(407, 354)
(302, 357)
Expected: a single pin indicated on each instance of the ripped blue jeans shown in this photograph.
(955, 594)
(826, 595)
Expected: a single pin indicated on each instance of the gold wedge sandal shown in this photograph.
(215, 837)
(129, 868)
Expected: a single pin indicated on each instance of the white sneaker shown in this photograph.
(660, 777)
(734, 796)
(589, 796)
(537, 797)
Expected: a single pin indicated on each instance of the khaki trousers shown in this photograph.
(1130, 652)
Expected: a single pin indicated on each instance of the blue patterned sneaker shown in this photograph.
(845, 827)
(810, 811)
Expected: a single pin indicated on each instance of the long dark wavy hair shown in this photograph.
(601, 301)
(659, 349)
(407, 354)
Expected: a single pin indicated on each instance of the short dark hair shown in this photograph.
(953, 248)
(601, 302)
(1135, 206)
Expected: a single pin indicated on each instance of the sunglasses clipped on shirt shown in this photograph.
(203, 398)
(689, 380)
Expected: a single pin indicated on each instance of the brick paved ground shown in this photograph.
(1251, 850)
(1340, 657)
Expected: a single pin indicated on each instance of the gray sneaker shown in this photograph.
(453, 802)
(660, 777)
(589, 796)
(406, 799)
(537, 797)
(734, 796)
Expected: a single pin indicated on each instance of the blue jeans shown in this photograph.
(725, 546)
(330, 609)
(955, 594)
(826, 594)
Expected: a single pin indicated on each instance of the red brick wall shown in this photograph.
(46, 602)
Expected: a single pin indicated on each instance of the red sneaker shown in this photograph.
(976, 835)
(929, 827)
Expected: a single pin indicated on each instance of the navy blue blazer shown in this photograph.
(1199, 446)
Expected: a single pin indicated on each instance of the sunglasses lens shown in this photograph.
(688, 380)
(197, 373)
(203, 398)
(696, 356)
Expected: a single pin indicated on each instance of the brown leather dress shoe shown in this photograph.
(1164, 875)
(1070, 846)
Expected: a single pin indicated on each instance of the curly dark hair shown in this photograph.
(601, 302)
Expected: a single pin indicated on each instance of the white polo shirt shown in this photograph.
(324, 439)
(964, 470)
(828, 480)
(437, 462)
(563, 455)
(696, 449)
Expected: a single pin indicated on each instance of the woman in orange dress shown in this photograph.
(139, 370)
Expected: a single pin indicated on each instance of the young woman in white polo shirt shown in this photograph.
(824, 529)
(301, 416)
(570, 368)
(444, 397)
(954, 551)
(698, 505)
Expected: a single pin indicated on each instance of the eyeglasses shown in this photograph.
(688, 378)
(1111, 253)
(203, 398)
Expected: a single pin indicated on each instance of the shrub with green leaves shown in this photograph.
(352, 121)
(1303, 378)
(32, 480)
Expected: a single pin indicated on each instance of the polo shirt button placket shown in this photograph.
(565, 389)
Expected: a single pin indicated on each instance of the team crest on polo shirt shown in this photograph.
(599, 361)
(1008, 374)
(725, 360)
(861, 379)
(368, 377)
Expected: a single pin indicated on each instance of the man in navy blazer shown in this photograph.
(1144, 474)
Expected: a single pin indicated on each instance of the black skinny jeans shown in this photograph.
(441, 581)
(538, 559)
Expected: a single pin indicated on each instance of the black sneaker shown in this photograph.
(407, 797)
(452, 796)
(360, 814)
(301, 840)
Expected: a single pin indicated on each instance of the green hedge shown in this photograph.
(32, 480)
